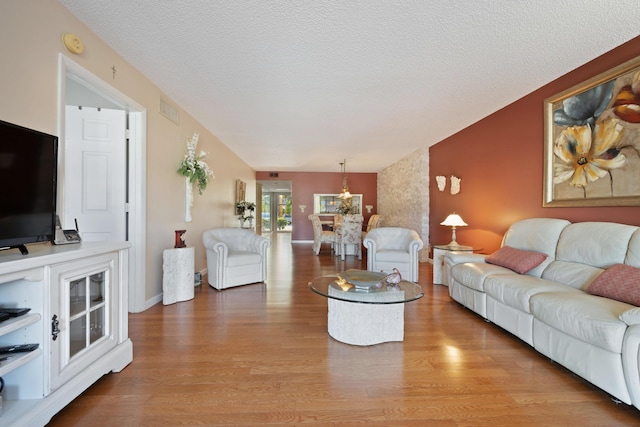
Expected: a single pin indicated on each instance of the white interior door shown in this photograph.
(95, 173)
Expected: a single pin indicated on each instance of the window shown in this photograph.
(327, 204)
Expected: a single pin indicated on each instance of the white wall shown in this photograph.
(32, 40)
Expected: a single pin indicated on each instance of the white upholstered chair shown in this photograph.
(350, 233)
(235, 256)
(393, 247)
(321, 236)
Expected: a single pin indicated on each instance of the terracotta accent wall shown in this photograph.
(500, 160)
(305, 184)
(402, 199)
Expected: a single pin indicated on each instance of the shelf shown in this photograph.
(16, 360)
(13, 410)
(16, 323)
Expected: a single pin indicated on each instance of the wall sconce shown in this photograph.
(302, 207)
(442, 182)
(453, 221)
(369, 208)
(455, 185)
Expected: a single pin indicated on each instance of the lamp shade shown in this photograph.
(453, 220)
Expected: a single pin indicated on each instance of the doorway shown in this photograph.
(73, 80)
(276, 204)
(95, 172)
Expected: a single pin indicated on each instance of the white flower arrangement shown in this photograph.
(242, 207)
(194, 167)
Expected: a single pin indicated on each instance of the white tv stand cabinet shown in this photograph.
(78, 296)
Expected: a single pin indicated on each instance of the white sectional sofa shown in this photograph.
(549, 307)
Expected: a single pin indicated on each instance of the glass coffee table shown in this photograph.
(368, 313)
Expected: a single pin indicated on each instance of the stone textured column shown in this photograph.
(365, 324)
(177, 275)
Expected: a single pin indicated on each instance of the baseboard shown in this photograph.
(153, 301)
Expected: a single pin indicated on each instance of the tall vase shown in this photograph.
(188, 199)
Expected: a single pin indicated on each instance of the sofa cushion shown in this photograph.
(473, 274)
(589, 318)
(633, 251)
(598, 244)
(516, 290)
(237, 258)
(392, 255)
(517, 260)
(535, 234)
(574, 274)
(619, 282)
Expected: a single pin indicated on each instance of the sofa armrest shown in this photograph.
(631, 357)
(215, 245)
(259, 244)
(453, 258)
(631, 317)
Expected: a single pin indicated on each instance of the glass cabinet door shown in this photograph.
(86, 311)
(83, 310)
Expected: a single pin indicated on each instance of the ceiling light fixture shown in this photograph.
(344, 194)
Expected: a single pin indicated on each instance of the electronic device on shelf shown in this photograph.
(64, 237)
(4, 316)
(18, 348)
(14, 312)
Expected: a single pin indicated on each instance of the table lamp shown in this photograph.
(453, 221)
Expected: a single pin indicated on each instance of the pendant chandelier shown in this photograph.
(344, 194)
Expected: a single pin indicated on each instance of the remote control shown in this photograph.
(18, 348)
(14, 312)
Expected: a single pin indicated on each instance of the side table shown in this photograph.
(439, 252)
(177, 275)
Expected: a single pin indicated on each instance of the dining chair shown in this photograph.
(350, 233)
(321, 236)
(375, 221)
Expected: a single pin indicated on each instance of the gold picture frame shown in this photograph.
(241, 191)
(592, 141)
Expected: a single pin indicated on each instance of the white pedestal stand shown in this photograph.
(439, 251)
(178, 275)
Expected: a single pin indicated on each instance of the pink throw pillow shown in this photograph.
(516, 259)
(620, 282)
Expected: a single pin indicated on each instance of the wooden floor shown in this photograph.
(260, 355)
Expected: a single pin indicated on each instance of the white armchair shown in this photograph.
(235, 256)
(393, 247)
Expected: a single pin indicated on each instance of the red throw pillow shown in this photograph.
(516, 259)
(620, 282)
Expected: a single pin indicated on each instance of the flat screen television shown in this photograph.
(28, 181)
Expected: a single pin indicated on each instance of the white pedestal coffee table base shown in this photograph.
(365, 324)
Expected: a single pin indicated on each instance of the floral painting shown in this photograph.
(592, 141)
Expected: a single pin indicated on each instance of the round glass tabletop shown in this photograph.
(369, 291)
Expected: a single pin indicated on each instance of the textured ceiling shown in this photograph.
(302, 85)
